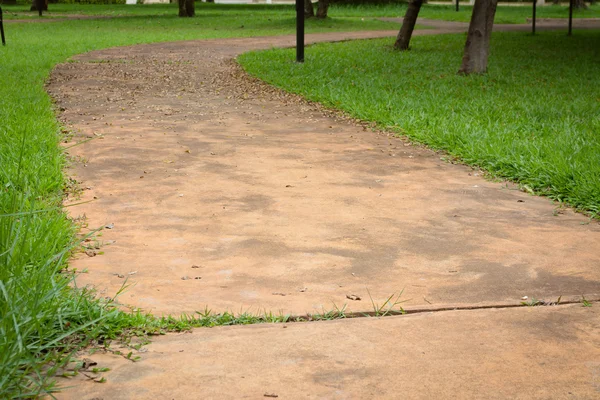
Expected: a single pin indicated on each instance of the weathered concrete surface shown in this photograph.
(276, 206)
(525, 353)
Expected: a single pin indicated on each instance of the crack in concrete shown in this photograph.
(584, 299)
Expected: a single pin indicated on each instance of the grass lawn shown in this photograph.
(534, 118)
(39, 313)
(504, 14)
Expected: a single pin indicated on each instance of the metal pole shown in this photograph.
(457, 1)
(299, 31)
(2, 28)
(533, 22)
(570, 17)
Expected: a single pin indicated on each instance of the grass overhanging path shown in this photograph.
(39, 311)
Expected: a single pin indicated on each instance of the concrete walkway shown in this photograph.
(218, 192)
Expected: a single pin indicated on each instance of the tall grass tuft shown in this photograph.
(39, 311)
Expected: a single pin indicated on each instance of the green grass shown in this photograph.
(21, 11)
(504, 14)
(41, 318)
(534, 118)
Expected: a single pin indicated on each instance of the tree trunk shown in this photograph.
(39, 6)
(579, 5)
(477, 47)
(191, 8)
(322, 9)
(309, 11)
(186, 8)
(408, 25)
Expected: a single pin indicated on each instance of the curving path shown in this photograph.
(219, 192)
(276, 206)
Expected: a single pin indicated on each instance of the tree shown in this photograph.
(322, 8)
(477, 46)
(579, 4)
(39, 6)
(309, 12)
(408, 25)
(186, 8)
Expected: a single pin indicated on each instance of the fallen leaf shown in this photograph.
(185, 278)
(87, 362)
(109, 226)
(352, 297)
(271, 395)
(303, 290)
(278, 294)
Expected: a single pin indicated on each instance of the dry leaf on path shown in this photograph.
(90, 253)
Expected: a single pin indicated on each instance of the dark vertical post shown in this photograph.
(570, 17)
(299, 31)
(2, 28)
(457, 1)
(533, 21)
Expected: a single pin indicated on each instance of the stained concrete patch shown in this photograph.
(511, 281)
